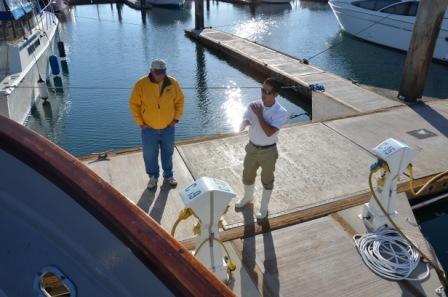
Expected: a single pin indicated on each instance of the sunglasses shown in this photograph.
(263, 90)
(159, 71)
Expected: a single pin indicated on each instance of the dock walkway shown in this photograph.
(341, 97)
(321, 178)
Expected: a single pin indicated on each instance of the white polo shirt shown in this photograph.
(275, 116)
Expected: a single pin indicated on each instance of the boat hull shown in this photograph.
(384, 29)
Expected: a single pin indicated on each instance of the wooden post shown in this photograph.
(199, 14)
(424, 37)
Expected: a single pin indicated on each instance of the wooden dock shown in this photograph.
(341, 97)
(321, 181)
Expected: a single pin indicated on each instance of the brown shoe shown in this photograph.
(171, 181)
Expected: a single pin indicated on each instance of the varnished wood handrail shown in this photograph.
(161, 253)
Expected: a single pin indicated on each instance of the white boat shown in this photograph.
(386, 22)
(27, 41)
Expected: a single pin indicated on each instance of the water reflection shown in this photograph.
(46, 116)
(267, 9)
(163, 16)
(48, 112)
(143, 14)
(273, 9)
(65, 16)
(312, 5)
(119, 6)
(233, 106)
(254, 28)
(356, 58)
(201, 85)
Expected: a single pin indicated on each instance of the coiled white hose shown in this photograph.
(388, 254)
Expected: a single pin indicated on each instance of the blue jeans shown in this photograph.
(152, 140)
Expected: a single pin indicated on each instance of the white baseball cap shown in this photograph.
(158, 64)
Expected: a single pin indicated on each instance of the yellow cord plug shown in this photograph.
(183, 215)
(197, 229)
(231, 266)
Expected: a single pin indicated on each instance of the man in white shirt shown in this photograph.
(264, 117)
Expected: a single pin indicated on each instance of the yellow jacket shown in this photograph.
(156, 105)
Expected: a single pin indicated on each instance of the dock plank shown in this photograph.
(408, 224)
(293, 70)
(370, 130)
(127, 174)
(316, 166)
(323, 168)
(315, 258)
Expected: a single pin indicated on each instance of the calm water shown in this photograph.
(110, 46)
(433, 220)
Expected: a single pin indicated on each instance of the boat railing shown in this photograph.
(49, 15)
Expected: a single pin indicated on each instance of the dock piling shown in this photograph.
(418, 60)
(199, 14)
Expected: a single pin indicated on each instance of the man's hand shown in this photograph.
(172, 123)
(257, 108)
(243, 125)
(143, 126)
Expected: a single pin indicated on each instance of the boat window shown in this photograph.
(33, 47)
(13, 30)
(374, 4)
(407, 9)
(51, 285)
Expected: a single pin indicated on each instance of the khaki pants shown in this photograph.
(260, 157)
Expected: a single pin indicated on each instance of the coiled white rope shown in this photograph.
(387, 254)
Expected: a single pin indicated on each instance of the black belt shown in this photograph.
(262, 146)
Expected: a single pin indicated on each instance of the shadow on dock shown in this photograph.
(265, 275)
(148, 198)
(432, 117)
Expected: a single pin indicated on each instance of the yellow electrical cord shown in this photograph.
(183, 215)
(411, 179)
(231, 266)
(442, 276)
(188, 212)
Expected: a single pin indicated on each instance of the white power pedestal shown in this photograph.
(397, 156)
(209, 198)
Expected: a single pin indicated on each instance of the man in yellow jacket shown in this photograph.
(157, 104)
